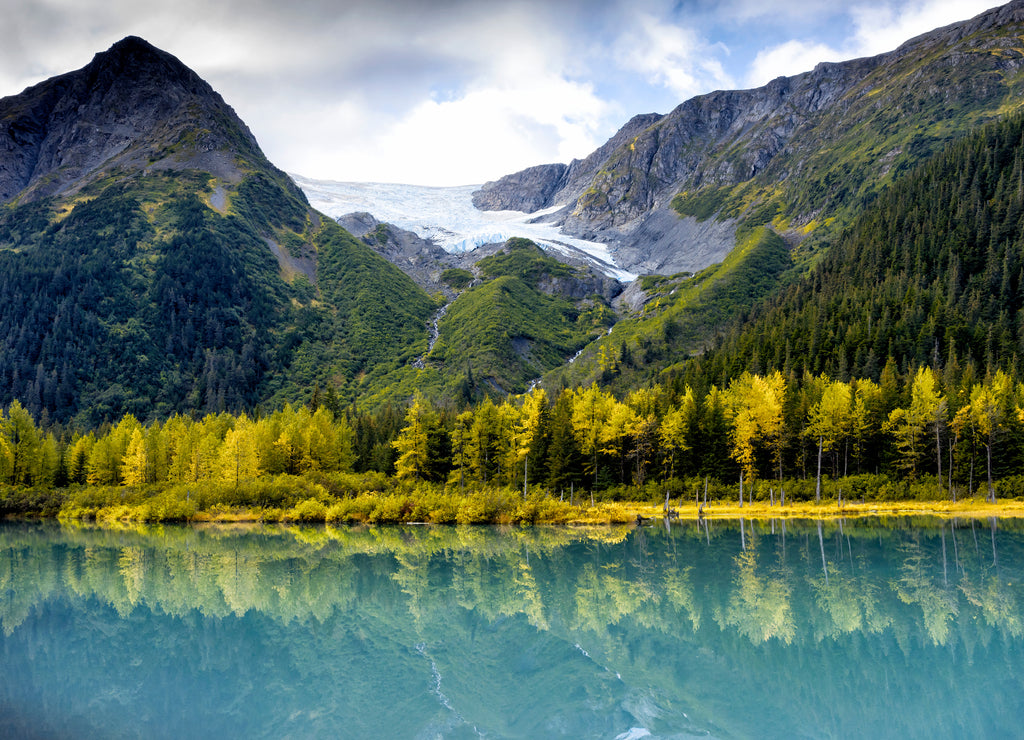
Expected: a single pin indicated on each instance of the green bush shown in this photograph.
(309, 510)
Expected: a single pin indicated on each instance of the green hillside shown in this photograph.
(681, 316)
(931, 274)
(507, 327)
(907, 108)
(137, 295)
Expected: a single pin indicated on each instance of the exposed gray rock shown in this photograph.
(579, 288)
(781, 132)
(552, 184)
(632, 299)
(132, 106)
(651, 244)
(527, 191)
(420, 259)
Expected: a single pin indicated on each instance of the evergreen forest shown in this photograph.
(148, 348)
(531, 458)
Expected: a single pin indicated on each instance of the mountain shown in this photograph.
(524, 314)
(153, 261)
(134, 107)
(420, 259)
(515, 314)
(802, 154)
(446, 217)
(931, 274)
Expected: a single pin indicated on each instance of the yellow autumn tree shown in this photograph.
(237, 459)
(412, 442)
(677, 428)
(754, 404)
(591, 409)
(830, 421)
(135, 464)
(908, 426)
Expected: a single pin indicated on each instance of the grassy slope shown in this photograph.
(148, 294)
(898, 116)
(682, 313)
(500, 334)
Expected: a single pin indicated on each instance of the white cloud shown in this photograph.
(882, 27)
(672, 56)
(479, 136)
(511, 103)
(873, 28)
(457, 91)
(790, 58)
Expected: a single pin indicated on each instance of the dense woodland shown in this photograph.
(139, 298)
(932, 273)
(919, 435)
(889, 370)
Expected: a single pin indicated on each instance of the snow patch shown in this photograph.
(447, 217)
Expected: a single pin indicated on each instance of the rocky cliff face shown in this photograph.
(797, 151)
(153, 261)
(540, 187)
(418, 258)
(527, 191)
(424, 261)
(132, 106)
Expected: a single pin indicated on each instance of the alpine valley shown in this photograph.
(153, 261)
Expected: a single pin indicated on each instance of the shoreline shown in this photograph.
(967, 509)
(607, 513)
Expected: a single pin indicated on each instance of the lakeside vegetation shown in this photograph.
(760, 441)
(888, 374)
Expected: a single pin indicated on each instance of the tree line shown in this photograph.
(961, 433)
(931, 272)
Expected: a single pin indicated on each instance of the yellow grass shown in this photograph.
(625, 512)
(967, 509)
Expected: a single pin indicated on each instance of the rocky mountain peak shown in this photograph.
(796, 150)
(132, 106)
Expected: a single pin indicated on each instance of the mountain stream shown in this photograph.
(435, 331)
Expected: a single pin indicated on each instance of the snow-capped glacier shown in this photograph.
(446, 216)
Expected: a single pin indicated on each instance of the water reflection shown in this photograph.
(889, 628)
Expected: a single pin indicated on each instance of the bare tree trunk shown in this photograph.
(952, 446)
(526, 470)
(817, 484)
(970, 477)
(988, 457)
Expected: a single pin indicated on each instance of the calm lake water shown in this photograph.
(874, 629)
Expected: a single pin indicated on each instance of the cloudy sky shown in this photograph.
(455, 92)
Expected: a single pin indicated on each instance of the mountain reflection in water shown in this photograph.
(768, 629)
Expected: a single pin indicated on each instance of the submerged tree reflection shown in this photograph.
(673, 616)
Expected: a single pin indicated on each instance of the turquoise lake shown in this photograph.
(884, 628)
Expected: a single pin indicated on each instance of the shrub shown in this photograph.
(309, 510)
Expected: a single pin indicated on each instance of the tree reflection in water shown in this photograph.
(888, 628)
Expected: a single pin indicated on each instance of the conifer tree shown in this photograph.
(412, 442)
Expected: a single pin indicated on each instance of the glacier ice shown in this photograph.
(446, 216)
